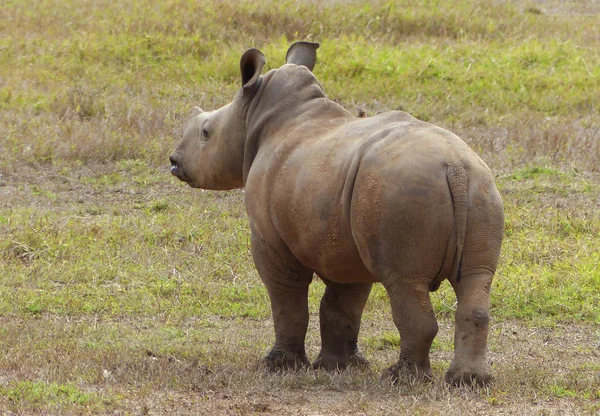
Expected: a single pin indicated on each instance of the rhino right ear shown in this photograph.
(302, 53)
(251, 65)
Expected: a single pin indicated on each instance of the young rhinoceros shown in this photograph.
(387, 199)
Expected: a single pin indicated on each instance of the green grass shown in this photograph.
(44, 395)
(112, 83)
(122, 290)
(190, 257)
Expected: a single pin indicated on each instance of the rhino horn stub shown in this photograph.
(251, 65)
(195, 110)
(302, 53)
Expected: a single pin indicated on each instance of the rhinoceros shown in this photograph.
(385, 199)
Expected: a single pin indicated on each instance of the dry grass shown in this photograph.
(119, 363)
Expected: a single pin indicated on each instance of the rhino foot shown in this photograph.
(283, 360)
(406, 371)
(331, 362)
(456, 376)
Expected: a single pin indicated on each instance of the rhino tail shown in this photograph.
(458, 183)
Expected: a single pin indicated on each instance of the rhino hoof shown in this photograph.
(359, 360)
(279, 361)
(458, 378)
(394, 373)
(329, 362)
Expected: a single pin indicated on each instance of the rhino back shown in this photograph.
(315, 193)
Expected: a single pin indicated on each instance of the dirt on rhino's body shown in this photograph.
(387, 199)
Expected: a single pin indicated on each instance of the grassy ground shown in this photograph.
(123, 291)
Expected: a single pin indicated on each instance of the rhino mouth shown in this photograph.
(178, 171)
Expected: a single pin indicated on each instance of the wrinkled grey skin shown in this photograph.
(387, 199)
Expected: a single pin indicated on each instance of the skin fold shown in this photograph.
(388, 199)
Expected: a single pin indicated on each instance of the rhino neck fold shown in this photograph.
(287, 99)
(251, 142)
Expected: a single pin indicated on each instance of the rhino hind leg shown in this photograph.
(340, 313)
(470, 366)
(483, 242)
(413, 316)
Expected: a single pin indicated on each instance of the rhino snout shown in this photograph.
(174, 164)
(177, 170)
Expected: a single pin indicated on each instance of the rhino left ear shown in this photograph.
(302, 53)
(251, 65)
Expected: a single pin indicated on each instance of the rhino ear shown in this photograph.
(251, 65)
(302, 53)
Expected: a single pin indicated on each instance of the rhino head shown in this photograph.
(214, 150)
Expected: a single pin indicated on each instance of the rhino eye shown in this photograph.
(205, 133)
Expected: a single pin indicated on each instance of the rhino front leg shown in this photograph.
(340, 313)
(470, 337)
(416, 322)
(287, 284)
